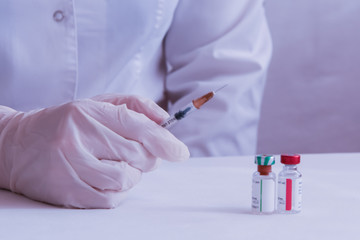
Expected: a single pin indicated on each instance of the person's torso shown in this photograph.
(54, 52)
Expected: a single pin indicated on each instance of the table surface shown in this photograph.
(202, 198)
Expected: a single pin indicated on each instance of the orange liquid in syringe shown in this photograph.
(203, 99)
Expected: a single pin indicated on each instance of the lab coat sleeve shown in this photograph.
(211, 43)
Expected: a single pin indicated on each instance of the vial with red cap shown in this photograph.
(289, 185)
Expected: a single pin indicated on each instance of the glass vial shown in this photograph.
(263, 185)
(289, 185)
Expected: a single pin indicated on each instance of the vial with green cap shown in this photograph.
(263, 185)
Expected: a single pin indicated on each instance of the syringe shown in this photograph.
(189, 108)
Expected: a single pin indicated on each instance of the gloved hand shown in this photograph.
(86, 153)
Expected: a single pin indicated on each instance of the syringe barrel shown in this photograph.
(182, 113)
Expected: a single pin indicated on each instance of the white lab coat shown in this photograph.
(171, 51)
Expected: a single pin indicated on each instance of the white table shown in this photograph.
(203, 198)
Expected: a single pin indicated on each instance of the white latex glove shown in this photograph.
(86, 153)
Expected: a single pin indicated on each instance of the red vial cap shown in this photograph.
(290, 159)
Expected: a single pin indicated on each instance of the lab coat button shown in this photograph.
(58, 16)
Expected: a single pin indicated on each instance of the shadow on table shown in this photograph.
(10, 200)
(210, 209)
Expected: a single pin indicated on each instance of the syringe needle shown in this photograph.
(220, 88)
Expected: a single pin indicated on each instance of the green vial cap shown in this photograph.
(265, 160)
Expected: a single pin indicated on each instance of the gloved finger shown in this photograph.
(62, 185)
(92, 198)
(103, 143)
(137, 104)
(132, 125)
(81, 195)
(108, 175)
(103, 174)
(72, 192)
(87, 197)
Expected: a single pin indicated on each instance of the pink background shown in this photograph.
(311, 102)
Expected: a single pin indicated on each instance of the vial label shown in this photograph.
(263, 195)
(289, 194)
